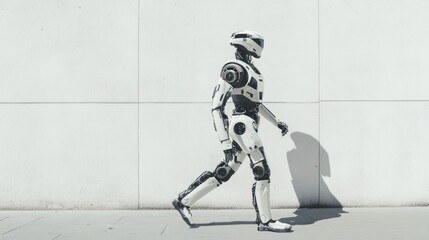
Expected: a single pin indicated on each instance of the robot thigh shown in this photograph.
(244, 131)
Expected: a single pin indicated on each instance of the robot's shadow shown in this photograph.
(307, 153)
(305, 216)
(223, 223)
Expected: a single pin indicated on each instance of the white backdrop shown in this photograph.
(106, 104)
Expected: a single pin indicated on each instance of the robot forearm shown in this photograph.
(267, 114)
(221, 94)
(220, 121)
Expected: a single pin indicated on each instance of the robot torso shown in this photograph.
(246, 94)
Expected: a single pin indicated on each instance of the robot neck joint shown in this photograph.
(243, 56)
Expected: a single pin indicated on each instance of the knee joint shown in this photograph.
(261, 171)
(223, 172)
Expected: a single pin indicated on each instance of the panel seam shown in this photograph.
(138, 104)
(318, 82)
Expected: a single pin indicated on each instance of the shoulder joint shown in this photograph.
(234, 74)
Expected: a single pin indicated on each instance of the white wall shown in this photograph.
(68, 104)
(106, 104)
(374, 109)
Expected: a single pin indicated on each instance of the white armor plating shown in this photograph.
(249, 141)
(251, 41)
(204, 188)
(220, 120)
(254, 89)
(262, 194)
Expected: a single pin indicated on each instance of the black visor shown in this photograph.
(259, 41)
(241, 35)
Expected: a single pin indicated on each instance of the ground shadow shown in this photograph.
(223, 223)
(303, 163)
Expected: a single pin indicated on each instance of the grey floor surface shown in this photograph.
(323, 223)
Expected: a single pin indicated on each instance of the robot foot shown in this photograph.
(184, 212)
(274, 226)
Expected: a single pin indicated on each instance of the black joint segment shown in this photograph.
(223, 172)
(234, 74)
(229, 76)
(236, 146)
(239, 128)
(235, 160)
(261, 171)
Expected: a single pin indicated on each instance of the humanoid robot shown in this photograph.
(240, 80)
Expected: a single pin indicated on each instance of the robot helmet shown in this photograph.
(249, 41)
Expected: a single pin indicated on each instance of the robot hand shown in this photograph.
(283, 127)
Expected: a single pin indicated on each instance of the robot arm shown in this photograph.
(221, 94)
(267, 114)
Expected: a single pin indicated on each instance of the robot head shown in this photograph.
(250, 42)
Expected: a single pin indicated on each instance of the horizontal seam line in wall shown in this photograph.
(211, 102)
(322, 101)
(68, 102)
(376, 100)
(124, 102)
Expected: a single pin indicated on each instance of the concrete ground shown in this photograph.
(323, 223)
